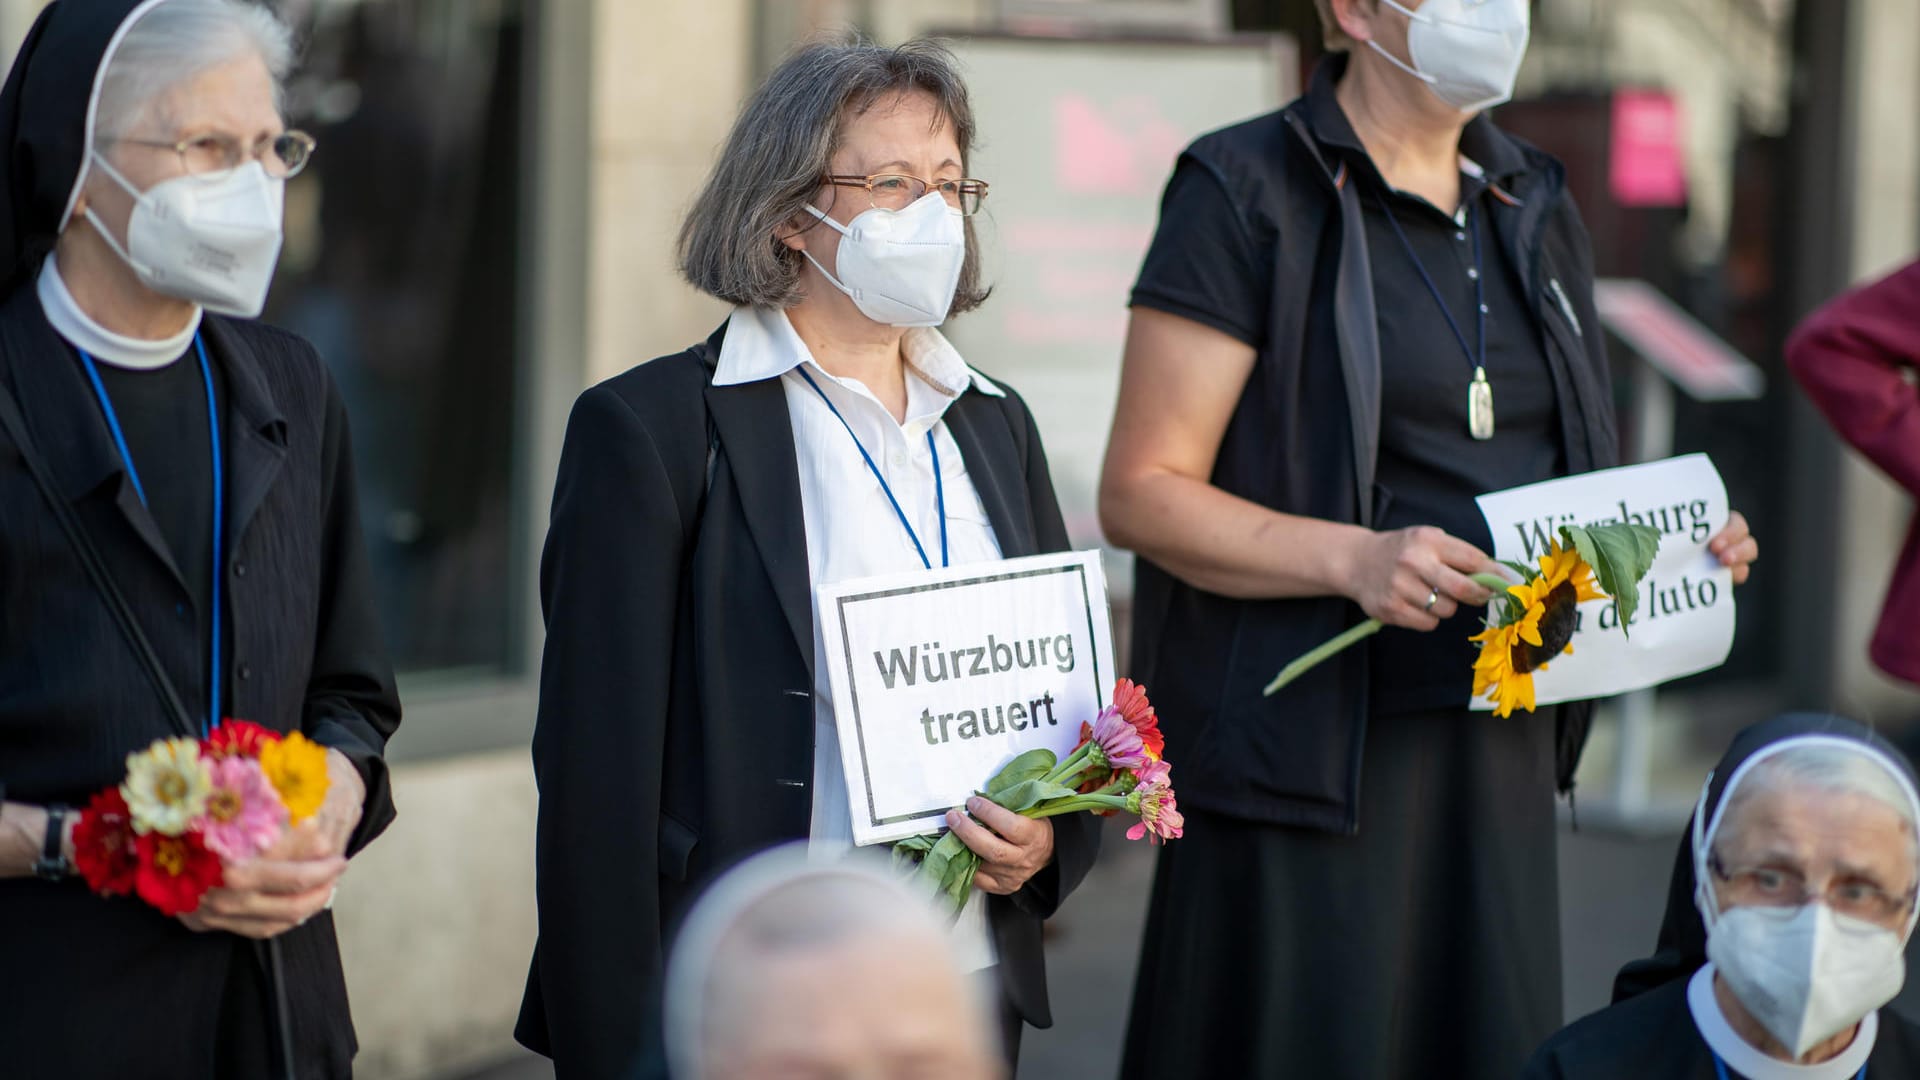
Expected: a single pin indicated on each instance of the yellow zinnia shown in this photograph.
(297, 766)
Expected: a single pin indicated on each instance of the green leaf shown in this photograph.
(1024, 795)
(959, 880)
(1620, 556)
(1527, 573)
(1031, 765)
(912, 850)
(933, 868)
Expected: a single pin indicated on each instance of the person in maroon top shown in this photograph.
(1858, 358)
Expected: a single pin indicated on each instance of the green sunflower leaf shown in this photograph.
(1620, 556)
(1031, 765)
(1527, 573)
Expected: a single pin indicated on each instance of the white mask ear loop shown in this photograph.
(808, 255)
(100, 226)
(1412, 16)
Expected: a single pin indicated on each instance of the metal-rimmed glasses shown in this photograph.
(1782, 890)
(214, 156)
(897, 191)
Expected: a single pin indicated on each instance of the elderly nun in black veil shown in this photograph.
(1792, 901)
(158, 446)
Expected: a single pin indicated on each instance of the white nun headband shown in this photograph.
(1704, 834)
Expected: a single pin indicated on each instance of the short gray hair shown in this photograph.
(178, 39)
(775, 904)
(1829, 768)
(778, 155)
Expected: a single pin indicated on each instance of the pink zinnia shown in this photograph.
(244, 814)
(1159, 820)
(1153, 772)
(1118, 740)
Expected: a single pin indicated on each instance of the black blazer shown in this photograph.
(109, 987)
(676, 697)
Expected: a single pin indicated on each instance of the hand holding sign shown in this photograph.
(1684, 622)
(1667, 522)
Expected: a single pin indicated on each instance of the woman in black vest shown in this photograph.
(204, 458)
(1339, 298)
(826, 432)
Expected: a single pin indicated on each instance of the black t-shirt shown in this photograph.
(163, 415)
(1216, 268)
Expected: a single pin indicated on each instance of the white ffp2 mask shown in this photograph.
(1468, 52)
(1808, 976)
(213, 242)
(900, 267)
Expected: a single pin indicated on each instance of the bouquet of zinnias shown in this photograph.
(1116, 767)
(191, 807)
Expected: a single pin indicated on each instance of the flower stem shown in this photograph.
(1077, 804)
(1312, 659)
(1075, 764)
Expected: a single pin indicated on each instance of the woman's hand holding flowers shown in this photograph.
(1012, 848)
(294, 879)
(1392, 575)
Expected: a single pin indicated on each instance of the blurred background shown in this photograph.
(487, 230)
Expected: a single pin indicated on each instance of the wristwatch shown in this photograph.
(53, 864)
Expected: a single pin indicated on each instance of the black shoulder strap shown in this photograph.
(712, 363)
(16, 429)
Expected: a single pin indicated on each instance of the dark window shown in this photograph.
(400, 266)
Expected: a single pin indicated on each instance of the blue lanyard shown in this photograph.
(219, 509)
(1476, 357)
(1720, 1069)
(939, 483)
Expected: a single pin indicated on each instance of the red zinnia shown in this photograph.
(238, 737)
(103, 845)
(175, 871)
(1131, 699)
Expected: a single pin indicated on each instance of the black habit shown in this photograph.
(676, 722)
(1648, 1033)
(1368, 886)
(109, 987)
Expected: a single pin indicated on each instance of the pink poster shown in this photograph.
(1648, 164)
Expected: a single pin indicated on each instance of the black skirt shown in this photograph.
(1426, 945)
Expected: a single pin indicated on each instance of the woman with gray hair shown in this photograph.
(827, 431)
(178, 545)
(793, 967)
(1792, 902)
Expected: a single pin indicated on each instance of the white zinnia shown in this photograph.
(167, 787)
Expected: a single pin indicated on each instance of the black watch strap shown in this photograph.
(52, 864)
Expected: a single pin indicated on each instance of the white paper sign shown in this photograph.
(941, 677)
(1684, 623)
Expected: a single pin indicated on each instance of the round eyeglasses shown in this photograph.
(1785, 890)
(897, 191)
(214, 156)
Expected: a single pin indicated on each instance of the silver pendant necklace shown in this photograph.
(1479, 390)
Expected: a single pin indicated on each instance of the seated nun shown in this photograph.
(1792, 901)
(791, 968)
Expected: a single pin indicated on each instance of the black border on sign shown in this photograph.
(853, 692)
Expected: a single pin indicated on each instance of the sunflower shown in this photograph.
(1537, 626)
